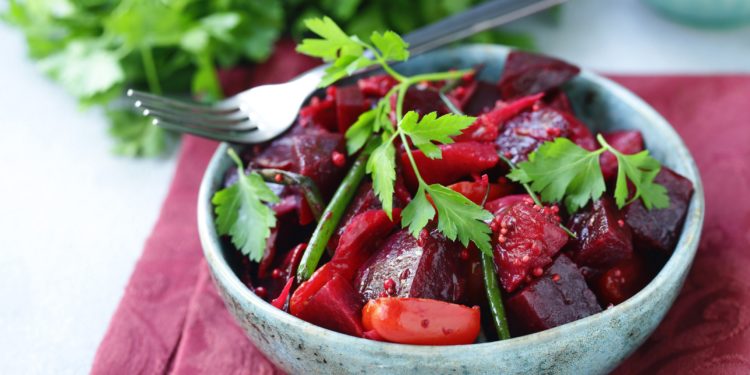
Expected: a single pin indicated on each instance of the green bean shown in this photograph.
(332, 214)
(494, 297)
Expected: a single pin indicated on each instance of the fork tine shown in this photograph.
(160, 101)
(192, 122)
(219, 135)
(217, 122)
(209, 117)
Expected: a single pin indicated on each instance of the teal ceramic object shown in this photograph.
(705, 13)
(593, 345)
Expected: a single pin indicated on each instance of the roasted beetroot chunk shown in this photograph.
(603, 238)
(422, 100)
(487, 126)
(459, 160)
(404, 266)
(524, 133)
(480, 98)
(360, 238)
(350, 103)
(335, 306)
(622, 281)
(321, 112)
(376, 86)
(580, 133)
(312, 156)
(659, 229)
(558, 297)
(525, 238)
(627, 142)
(527, 73)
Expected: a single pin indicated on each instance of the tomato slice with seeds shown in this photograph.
(421, 321)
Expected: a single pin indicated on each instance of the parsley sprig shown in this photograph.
(562, 171)
(459, 218)
(242, 214)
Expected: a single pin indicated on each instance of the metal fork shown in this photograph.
(263, 112)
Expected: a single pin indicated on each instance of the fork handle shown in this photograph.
(477, 19)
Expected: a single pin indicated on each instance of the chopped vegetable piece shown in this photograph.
(335, 306)
(361, 236)
(622, 281)
(524, 133)
(459, 160)
(421, 321)
(603, 238)
(627, 142)
(527, 73)
(494, 298)
(478, 192)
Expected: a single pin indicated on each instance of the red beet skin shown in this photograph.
(627, 142)
(527, 73)
(312, 157)
(335, 306)
(428, 267)
(360, 238)
(459, 160)
(659, 229)
(350, 103)
(320, 112)
(525, 238)
(525, 132)
(603, 238)
(558, 297)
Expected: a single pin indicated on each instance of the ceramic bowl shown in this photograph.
(592, 345)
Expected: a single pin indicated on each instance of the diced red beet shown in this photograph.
(477, 190)
(659, 229)
(361, 236)
(525, 238)
(305, 291)
(311, 155)
(480, 98)
(475, 290)
(422, 100)
(320, 112)
(276, 155)
(459, 160)
(335, 306)
(266, 263)
(280, 302)
(499, 205)
(525, 132)
(487, 126)
(350, 103)
(627, 142)
(428, 267)
(527, 73)
(560, 296)
(622, 281)
(558, 100)
(377, 85)
(603, 239)
(580, 133)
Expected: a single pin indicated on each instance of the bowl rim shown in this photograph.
(680, 260)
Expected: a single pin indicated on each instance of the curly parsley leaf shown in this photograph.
(433, 129)
(382, 167)
(242, 214)
(461, 218)
(417, 213)
(562, 171)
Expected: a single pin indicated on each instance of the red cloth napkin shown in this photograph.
(171, 320)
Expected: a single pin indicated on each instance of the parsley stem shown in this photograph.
(494, 297)
(440, 76)
(525, 185)
(149, 67)
(333, 213)
(305, 184)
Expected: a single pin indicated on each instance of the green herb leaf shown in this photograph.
(461, 218)
(417, 213)
(561, 170)
(335, 43)
(431, 129)
(242, 214)
(358, 134)
(84, 68)
(382, 167)
(391, 46)
(641, 169)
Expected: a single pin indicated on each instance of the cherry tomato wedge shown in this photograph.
(421, 321)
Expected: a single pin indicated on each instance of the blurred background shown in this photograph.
(83, 179)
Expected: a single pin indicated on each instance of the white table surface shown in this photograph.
(74, 218)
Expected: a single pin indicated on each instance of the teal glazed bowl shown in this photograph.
(593, 345)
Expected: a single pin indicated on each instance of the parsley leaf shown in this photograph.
(561, 170)
(417, 213)
(382, 167)
(461, 218)
(433, 129)
(391, 46)
(242, 214)
(335, 43)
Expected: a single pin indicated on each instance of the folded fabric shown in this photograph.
(171, 319)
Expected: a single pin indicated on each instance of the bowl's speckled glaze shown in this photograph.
(592, 345)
